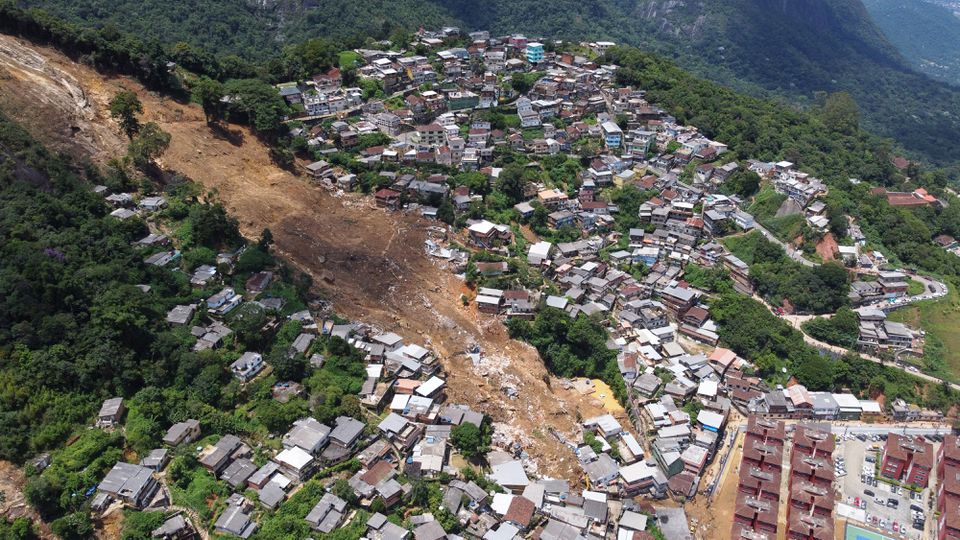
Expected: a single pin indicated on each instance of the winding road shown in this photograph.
(931, 287)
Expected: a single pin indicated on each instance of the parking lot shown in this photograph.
(889, 509)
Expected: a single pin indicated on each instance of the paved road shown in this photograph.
(797, 320)
(932, 289)
(883, 429)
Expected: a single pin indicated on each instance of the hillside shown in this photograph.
(790, 49)
(349, 268)
(927, 34)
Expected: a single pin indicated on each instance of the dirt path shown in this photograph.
(371, 264)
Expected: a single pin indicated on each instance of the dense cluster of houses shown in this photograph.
(681, 385)
(404, 387)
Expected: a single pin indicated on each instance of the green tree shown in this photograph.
(841, 113)
(468, 440)
(445, 212)
(149, 144)
(76, 526)
(208, 93)
(139, 525)
(341, 488)
(124, 108)
(511, 182)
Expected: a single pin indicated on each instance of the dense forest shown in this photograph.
(927, 34)
(777, 278)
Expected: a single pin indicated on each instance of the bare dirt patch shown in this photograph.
(40, 92)
(13, 503)
(370, 263)
(827, 247)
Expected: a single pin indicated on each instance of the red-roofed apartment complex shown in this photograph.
(948, 495)
(758, 491)
(810, 506)
(907, 460)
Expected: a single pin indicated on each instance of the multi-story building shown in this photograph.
(739, 273)
(431, 135)
(948, 494)
(907, 459)
(811, 502)
(534, 52)
(758, 490)
(612, 134)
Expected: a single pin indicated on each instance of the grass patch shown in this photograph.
(349, 59)
(203, 493)
(764, 209)
(742, 246)
(785, 228)
(915, 288)
(940, 319)
(766, 203)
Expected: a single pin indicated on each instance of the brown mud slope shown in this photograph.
(370, 264)
(13, 504)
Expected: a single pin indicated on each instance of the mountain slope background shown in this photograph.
(927, 34)
(789, 49)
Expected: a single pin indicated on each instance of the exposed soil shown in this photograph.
(371, 264)
(13, 504)
(714, 516)
(827, 247)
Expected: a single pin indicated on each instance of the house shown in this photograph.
(561, 218)
(319, 170)
(152, 204)
(133, 485)
(605, 425)
(327, 514)
(485, 234)
(489, 300)
(307, 434)
(111, 412)
(238, 472)
(343, 437)
(430, 530)
(174, 528)
(510, 475)
(235, 520)
(228, 448)
(247, 366)
(295, 462)
(642, 477)
(378, 527)
(552, 199)
(203, 275)
(224, 301)
(678, 300)
(259, 282)
(182, 432)
(403, 433)
(387, 198)
(181, 315)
